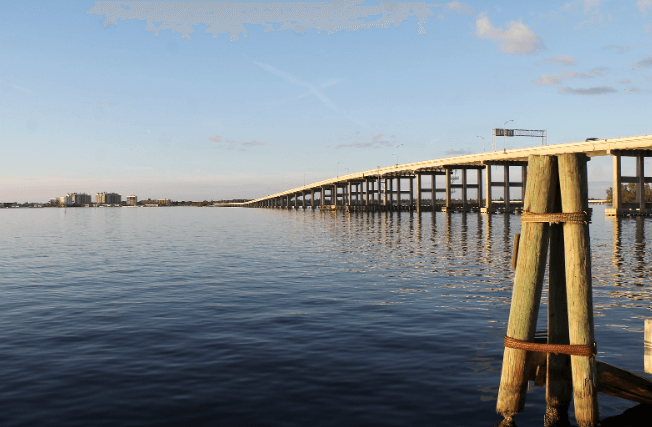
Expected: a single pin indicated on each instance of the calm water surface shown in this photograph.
(251, 317)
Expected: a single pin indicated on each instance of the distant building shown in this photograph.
(132, 200)
(75, 199)
(108, 199)
(155, 202)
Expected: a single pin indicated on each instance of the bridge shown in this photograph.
(386, 189)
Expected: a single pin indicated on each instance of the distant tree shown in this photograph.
(628, 193)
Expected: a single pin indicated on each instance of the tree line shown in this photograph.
(628, 193)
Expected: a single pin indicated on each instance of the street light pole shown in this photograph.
(337, 168)
(399, 145)
(396, 159)
(483, 149)
(505, 133)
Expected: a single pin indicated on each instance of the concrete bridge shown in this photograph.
(414, 185)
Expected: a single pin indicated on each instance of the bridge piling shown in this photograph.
(528, 284)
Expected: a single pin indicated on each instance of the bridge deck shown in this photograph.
(600, 147)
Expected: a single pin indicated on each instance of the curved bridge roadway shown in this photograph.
(380, 189)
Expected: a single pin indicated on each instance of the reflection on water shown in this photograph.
(229, 317)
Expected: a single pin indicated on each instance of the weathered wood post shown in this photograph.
(559, 387)
(528, 283)
(574, 199)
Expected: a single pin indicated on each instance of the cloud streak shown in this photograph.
(376, 141)
(516, 39)
(643, 63)
(459, 152)
(561, 59)
(229, 144)
(312, 89)
(598, 90)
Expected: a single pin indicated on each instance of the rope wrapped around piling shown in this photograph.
(556, 218)
(589, 350)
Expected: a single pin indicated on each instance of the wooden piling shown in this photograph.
(574, 198)
(517, 237)
(559, 387)
(528, 283)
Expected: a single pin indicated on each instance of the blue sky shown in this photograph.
(154, 105)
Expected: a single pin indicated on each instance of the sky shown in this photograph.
(221, 100)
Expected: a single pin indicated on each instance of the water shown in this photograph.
(252, 317)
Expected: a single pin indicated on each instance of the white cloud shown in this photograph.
(598, 90)
(590, 5)
(625, 81)
(561, 59)
(553, 79)
(595, 18)
(460, 8)
(230, 17)
(517, 39)
(643, 6)
(643, 63)
(634, 89)
(592, 8)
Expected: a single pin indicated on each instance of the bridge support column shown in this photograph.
(349, 195)
(487, 205)
(640, 185)
(411, 192)
(639, 207)
(385, 192)
(398, 193)
(448, 189)
(367, 192)
(418, 193)
(479, 192)
(312, 199)
(464, 189)
(433, 191)
(616, 189)
(506, 188)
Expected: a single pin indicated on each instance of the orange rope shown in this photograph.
(588, 350)
(568, 217)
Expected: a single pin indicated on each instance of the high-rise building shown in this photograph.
(132, 200)
(75, 199)
(108, 199)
